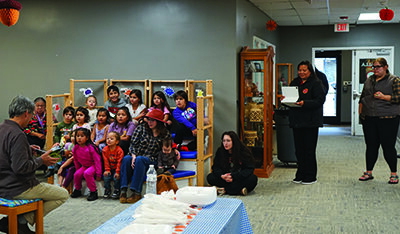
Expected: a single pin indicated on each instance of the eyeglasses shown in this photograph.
(376, 67)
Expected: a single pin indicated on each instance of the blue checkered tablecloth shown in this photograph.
(226, 215)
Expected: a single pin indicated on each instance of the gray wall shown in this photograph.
(142, 39)
(307, 37)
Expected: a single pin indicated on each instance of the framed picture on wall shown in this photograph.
(257, 67)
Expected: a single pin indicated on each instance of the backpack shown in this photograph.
(166, 183)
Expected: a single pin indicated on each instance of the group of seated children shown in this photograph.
(87, 133)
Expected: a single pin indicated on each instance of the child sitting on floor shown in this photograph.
(167, 158)
(87, 163)
(112, 155)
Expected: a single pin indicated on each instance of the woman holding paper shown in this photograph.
(305, 119)
(379, 111)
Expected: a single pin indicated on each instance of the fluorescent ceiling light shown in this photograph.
(369, 16)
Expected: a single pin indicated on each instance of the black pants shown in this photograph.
(234, 187)
(305, 143)
(182, 132)
(36, 141)
(125, 146)
(380, 132)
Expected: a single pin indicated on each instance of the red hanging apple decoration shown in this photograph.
(9, 12)
(271, 25)
(386, 14)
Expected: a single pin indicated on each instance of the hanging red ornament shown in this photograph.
(386, 14)
(271, 25)
(9, 12)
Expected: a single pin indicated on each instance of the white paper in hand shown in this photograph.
(291, 95)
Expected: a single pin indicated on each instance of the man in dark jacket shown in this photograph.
(18, 166)
(305, 121)
(322, 77)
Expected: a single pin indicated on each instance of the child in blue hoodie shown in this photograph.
(185, 114)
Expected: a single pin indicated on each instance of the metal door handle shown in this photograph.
(356, 94)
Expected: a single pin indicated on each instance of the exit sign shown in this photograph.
(342, 28)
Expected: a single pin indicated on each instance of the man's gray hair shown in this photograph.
(19, 105)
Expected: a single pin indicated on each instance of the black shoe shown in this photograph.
(49, 173)
(56, 167)
(115, 194)
(4, 225)
(76, 193)
(107, 193)
(93, 196)
(160, 171)
(24, 229)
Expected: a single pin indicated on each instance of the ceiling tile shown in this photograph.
(275, 6)
(301, 12)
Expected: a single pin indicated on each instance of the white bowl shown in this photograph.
(199, 196)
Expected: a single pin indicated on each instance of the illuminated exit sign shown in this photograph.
(342, 28)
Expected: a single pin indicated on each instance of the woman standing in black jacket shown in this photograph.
(233, 168)
(305, 121)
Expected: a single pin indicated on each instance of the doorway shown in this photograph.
(329, 63)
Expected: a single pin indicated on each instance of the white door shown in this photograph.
(362, 68)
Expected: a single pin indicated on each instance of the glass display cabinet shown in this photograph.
(256, 106)
(284, 75)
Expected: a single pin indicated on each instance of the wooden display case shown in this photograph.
(284, 75)
(256, 106)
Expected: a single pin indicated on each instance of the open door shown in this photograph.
(362, 68)
(329, 63)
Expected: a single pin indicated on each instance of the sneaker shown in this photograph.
(93, 196)
(297, 181)
(220, 191)
(24, 228)
(49, 173)
(76, 193)
(244, 191)
(115, 194)
(309, 182)
(107, 193)
(122, 197)
(134, 198)
(4, 224)
(160, 171)
(182, 148)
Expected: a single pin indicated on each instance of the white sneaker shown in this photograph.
(309, 182)
(296, 181)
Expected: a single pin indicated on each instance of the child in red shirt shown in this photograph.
(112, 155)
